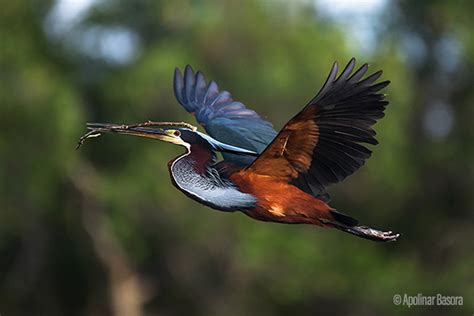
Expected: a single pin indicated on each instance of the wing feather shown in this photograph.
(325, 142)
(223, 118)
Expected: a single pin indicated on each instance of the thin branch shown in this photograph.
(97, 131)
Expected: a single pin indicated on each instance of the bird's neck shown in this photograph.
(196, 155)
(194, 174)
(201, 156)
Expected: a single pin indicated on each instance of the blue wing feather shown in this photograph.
(224, 119)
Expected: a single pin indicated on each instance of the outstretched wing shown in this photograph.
(323, 144)
(223, 118)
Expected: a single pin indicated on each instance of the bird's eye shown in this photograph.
(177, 133)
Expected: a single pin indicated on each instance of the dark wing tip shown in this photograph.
(379, 86)
(178, 85)
(188, 68)
(334, 67)
(327, 84)
(347, 70)
(199, 74)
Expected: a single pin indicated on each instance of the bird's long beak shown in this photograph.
(96, 129)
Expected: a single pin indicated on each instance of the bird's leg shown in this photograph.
(363, 231)
(372, 234)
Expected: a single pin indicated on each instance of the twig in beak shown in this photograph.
(97, 131)
(177, 124)
(90, 134)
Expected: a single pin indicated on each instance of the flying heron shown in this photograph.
(269, 176)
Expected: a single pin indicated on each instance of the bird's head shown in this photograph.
(182, 134)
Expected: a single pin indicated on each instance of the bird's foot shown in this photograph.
(373, 234)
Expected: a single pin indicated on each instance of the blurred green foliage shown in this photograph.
(102, 231)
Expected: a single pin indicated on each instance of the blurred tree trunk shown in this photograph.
(128, 290)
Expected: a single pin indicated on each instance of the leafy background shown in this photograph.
(101, 231)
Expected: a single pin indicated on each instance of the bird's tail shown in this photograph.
(350, 225)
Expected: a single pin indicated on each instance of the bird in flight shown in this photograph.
(269, 176)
